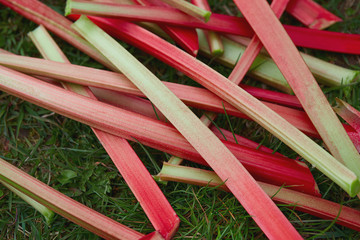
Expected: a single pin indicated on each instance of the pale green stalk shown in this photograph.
(46, 212)
(190, 9)
(243, 186)
(266, 70)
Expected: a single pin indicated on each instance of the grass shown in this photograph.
(66, 154)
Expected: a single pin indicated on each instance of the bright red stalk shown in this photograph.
(303, 37)
(312, 14)
(150, 132)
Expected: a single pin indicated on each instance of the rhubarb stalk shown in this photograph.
(193, 10)
(214, 40)
(294, 69)
(46, 212)
(311, 14)
(150, 197)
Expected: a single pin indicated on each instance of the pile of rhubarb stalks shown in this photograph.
(127, 102)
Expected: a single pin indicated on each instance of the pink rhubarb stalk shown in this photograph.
(254, 47)
(149, 195)
(304, 37)
(352, 117)
(312, 14)
(316, 206)
(299, 77)
(214, 40)
(65, 206)
(224, 163)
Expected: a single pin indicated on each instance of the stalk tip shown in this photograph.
(68, 7)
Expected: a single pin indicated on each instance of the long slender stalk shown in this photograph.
(150, 197)
(65, 206)
(190, 9)
(312, 14)
(46, 212)
(304, 37)
(299, 201)
(192, 96)
(198, 135)
(254, 47)
(214, 40)
(294, 69)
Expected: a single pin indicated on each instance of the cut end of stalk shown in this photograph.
(354, 188)
(217, 52)
(68, 7)
(206, 16)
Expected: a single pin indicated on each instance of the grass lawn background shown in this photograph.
(67, 156)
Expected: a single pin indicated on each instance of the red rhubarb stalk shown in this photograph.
(154, 203)
(224, 163)
(312, 14)
(350, 114)
(299, 201)
(304, 37)
(299, 77)
(65, 206)
(254, 47)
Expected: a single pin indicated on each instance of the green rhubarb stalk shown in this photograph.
(350, 114)
(191, 9)
(144, 188)
(238, 180)
(286, 56)
(65, 206)
(303, 202)
(46, 212)
(213, 39)
(266, 70)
